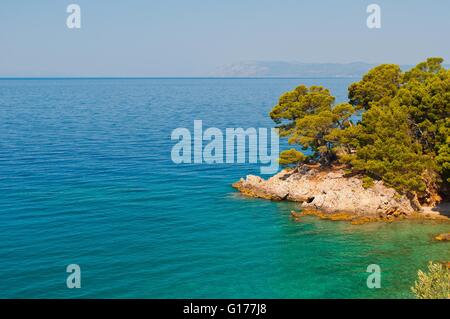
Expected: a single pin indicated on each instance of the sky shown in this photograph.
(196, 37)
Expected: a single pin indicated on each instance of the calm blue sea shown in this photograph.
(86, 178)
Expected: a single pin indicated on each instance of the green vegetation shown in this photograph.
(291, 157)
(434, 284)
(395, 127)
(308, 118)
(367, 181)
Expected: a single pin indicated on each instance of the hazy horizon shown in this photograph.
(196, 38)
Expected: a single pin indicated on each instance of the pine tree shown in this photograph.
(404, 132)
(426, 94)
(307, 117)
(386, 149)
(379, 85)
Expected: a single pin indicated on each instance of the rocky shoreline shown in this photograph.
(334, 194)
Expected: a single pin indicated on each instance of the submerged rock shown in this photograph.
(443, 237)
(330, 192)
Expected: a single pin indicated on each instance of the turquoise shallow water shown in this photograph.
(86, 178)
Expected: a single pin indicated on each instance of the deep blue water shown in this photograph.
(86, 177)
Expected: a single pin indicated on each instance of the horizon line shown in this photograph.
(169, 77)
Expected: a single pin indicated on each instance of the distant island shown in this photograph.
(295, 69)
(383, 155)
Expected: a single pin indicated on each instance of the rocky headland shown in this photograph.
(334, 194)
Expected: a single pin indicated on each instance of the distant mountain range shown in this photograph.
(295, 69)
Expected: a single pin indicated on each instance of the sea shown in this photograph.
(87, 178)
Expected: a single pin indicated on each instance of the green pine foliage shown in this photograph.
(307, 117)
(292, 157)
(434, 284)
(426, 94)
(386, 149)
(379, 85)
(367, 182)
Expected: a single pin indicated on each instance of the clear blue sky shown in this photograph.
(193, 37)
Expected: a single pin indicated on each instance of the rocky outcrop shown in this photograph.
(330, 192)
